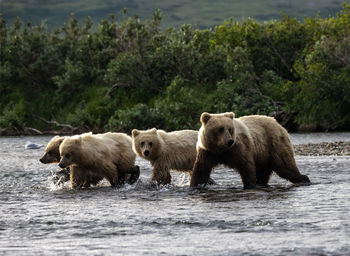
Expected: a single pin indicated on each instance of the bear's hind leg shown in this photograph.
(287, 169)
(92, 180)
(133, 175)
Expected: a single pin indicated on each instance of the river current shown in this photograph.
(40, 218)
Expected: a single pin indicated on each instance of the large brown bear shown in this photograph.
(254, 145)
(166, 151)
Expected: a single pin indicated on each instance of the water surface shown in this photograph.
(39, 218)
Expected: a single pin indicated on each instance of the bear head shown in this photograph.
(217, 132)
(52, 152)
(70, 150)
(146, 144)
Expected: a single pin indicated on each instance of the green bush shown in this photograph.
(140, 116)
(13, 116)
(130, 74)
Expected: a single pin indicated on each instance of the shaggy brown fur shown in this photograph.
(77, 176)
(166, 151)
(254, 145)
(106, 155)
(52, 152)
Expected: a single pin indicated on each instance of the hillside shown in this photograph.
(203, 13)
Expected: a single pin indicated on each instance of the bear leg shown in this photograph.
(287, 169)
(293, 175)
(263, 177)
(94, 180)
(205, 162)
(113, 181)
(133, 175)
(62, 176)
(210, 181)
(77, 176)
(161, 175)
(248, 177)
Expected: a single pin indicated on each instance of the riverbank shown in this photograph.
(339, 148)
(312, 144)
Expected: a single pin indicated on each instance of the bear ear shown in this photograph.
(55, 138)
(135, 132)
(60, 139)
(205, 117)
(153, 130)
(230, 115)
(78, 140)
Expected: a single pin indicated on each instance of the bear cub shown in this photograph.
(80, 176)
(166, 151)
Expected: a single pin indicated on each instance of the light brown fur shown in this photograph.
(52, 152)
(78, 176)
(254, 145)
(167, 151)
(108, 155)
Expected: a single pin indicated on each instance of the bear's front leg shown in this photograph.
(77, 176)
(205, 162)
(247, 171)
(161, 175)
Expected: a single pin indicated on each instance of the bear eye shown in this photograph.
(221, 129)
(49, 153)
(230, 130)
(68, 155)
(150, 144)
(142, 143)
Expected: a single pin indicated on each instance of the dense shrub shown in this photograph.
(131, 74)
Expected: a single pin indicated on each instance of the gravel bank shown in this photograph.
(339, 148)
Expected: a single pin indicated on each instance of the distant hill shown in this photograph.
(203, 13)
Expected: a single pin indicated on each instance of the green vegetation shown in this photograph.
(131, 74)
(203, 13)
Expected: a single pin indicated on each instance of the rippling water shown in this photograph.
(39, 218)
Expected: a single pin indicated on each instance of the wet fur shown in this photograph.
(169, 151)
(78, 176)
(107, 155)
(260, 147)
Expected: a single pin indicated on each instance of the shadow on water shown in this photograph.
(232, 194)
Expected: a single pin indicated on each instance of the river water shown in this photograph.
(40, 218)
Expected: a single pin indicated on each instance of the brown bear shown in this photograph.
(166, 151)
(52, 152)
(77, 176)
(254, 145)
(107, 155)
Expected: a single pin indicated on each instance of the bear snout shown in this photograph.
(44, 160)
(146, 152)
(61, 165)
(230, 142)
